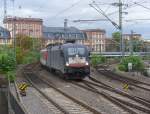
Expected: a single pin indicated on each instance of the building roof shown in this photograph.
(10, 19)
(61, 30)
(94, 30)
(4, 33)
(63, 33)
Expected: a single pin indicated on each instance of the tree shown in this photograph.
(116, 37)
(24, 42)
(27, 49)
(137, 45)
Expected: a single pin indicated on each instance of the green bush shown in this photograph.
(11, 75)
(7, 62)
(122, 67)
(137, 63)
(97, 59)
(30, 57)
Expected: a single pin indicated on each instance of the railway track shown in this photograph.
(127, 106)
(64, 103)
(133, 97)
(93, 85)
(133, 82)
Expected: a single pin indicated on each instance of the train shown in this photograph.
(69, 59)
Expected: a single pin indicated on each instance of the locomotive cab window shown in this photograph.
(74, 51)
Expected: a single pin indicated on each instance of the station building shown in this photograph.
(94, 39)
(54, 35)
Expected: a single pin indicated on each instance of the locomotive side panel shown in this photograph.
(55, 60)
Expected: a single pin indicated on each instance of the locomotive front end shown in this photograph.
(77, 62)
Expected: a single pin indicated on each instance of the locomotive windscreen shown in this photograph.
(76, 51)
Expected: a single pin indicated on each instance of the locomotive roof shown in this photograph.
(65, 45)
(71, 44)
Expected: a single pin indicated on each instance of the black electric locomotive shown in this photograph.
(71, 59)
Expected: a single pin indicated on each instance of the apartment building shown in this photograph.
(25, 26)
(133, 36)
(95, 39)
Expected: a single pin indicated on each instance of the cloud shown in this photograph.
(53, 12)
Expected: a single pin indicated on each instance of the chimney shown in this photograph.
(65, 23)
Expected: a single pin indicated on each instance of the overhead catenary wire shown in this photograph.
(99, 10)
(129, 20)
(142, 5)
(66, 9)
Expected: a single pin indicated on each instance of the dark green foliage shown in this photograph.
(116, 36)
(7, 61)
(31, 57)
(122, 67)
(137, 45)
(97, 59)
(11, 75)
(137, 63)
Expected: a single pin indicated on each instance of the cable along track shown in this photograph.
(65, 103)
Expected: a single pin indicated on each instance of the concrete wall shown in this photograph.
(3, 101)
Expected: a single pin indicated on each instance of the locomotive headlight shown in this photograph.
(86, 63)
(67, 64)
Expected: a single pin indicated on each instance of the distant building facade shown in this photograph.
(147, 40)
(4, 36)
(95, 39)
(111, 45)
(133, 36)
(147, 45)
(54, 35)
(25, 26)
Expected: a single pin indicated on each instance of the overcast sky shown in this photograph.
(53, 12)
